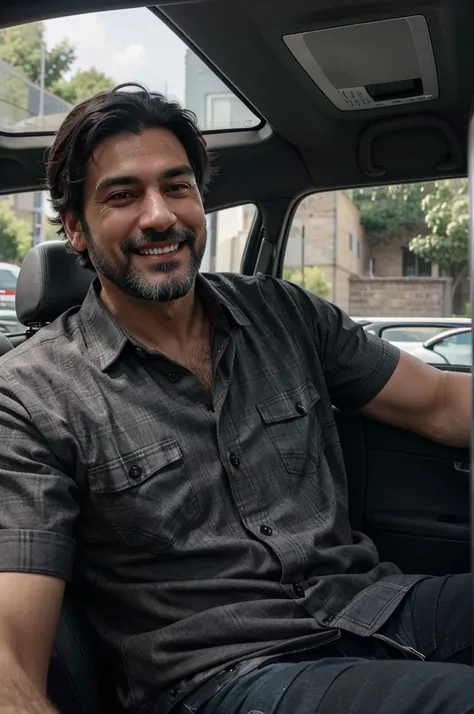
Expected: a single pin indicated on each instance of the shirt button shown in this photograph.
(135, 472)
(298, 589)
(300, 408)
(173, 376)
(140, 352)
(266, 530)
(234, 460)
(174, 692)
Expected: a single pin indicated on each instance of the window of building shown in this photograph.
(358, 248)
(351, 241)
(414, 266)
(219, 111)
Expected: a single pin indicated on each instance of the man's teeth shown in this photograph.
(160, 251)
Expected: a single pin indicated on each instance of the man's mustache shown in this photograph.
(172, 234)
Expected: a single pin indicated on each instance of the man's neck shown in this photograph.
(157, 325)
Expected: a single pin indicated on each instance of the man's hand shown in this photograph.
(427, 401)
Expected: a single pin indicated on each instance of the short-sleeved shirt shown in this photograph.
(204, 531)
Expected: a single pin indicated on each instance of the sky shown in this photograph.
(127, 45)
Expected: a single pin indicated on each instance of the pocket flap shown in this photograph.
(134, 468)
(293, 404)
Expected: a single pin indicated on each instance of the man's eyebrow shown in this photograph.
(111, 181)
(126, 180)
(175, 171)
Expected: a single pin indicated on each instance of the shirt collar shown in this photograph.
(106, 339)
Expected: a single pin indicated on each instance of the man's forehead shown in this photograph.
(154, 149)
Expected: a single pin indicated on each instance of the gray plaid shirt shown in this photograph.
(205, 533)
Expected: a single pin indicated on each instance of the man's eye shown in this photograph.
(119, 196)
(179, 188)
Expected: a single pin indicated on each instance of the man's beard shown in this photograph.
(120, 272)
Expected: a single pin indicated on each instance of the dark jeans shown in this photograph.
(365, 676)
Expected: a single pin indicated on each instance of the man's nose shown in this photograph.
(155, 212)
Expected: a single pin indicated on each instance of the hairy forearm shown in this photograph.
(18, 694)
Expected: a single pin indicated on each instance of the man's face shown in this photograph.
(144, 227)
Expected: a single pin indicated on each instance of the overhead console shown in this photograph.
(370, 65)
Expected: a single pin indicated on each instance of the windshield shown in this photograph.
(48, 67)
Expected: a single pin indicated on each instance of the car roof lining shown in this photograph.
(312, 145)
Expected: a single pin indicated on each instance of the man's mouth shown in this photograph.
(172, 248)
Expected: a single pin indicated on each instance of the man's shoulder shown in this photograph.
(265, 291)
(47, 347)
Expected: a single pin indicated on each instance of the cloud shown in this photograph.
(127, 45)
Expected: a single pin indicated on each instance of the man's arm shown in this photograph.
(38, 511)
(426, 400)
(30, 606)
(365, 373)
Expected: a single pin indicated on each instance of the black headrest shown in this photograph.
(50, 282)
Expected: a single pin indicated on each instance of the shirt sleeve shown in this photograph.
(355, 363)
(38, 501)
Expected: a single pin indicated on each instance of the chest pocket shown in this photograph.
(146, 496)
(292, 423)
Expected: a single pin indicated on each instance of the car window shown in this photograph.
(48, 67)
(455, 350)
(411, 334)
(8, 279)
(227, 234)
(378, 252)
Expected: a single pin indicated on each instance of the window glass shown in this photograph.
(407, 333)
(8, 278)
(227, 234)
(456, 350)
(48, 67)
(381, 251)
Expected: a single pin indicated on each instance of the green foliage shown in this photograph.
(20, 46)
(313, 279)
(82, 85)
(389, 209)
(16, 235)
(446, 212)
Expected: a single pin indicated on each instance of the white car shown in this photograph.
(8, 279)
(453, 347)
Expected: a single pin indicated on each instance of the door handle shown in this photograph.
(463, 466)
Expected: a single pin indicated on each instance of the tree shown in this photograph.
(20, 46)
(446, 211)
(16, 235)
(387, 210)
(314, 280)
(82, 85)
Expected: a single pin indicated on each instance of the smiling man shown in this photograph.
(170, 447)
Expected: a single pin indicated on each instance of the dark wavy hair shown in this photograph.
(126, 108)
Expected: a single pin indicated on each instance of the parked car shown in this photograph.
(9, 323)
(8, 278)
(452, 347)
(411, 333)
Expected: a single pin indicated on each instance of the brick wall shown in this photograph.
(400, 297)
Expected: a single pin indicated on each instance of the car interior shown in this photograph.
(331, 118)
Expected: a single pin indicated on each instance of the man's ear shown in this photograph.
(74, 231)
